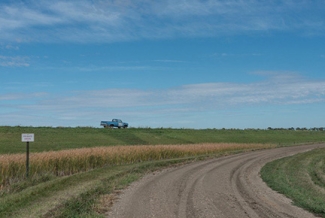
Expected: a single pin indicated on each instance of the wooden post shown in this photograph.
(27, 159)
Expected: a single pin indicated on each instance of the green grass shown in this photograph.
(53, 139)
(300, 177)
(79, 195)
(76, 195)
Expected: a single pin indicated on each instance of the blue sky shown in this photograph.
(179, 64)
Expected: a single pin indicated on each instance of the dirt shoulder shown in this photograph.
(223, 187)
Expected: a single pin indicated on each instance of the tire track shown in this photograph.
(222, 187)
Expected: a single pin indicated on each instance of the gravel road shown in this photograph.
(223, 187)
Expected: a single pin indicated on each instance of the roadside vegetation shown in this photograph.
(74, 172)
(69, 162)
(87, 194)
(300, 177)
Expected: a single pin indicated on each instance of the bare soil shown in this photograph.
(223, 187)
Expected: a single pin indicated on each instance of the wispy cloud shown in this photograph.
(170, 61)
(12, 47)
(280, 88)
(224, 55)
(107, 21)
(22, 96)
(17, 61)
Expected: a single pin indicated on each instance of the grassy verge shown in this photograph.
(85, 194)
(300, 177)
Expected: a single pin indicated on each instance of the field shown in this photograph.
(54, 139)
(83, 166)
(68, 162)
(300, 177)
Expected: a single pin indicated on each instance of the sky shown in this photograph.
(172, 64)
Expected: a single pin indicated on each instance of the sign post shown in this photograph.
(27, 137)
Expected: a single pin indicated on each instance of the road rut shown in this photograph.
(229, 186)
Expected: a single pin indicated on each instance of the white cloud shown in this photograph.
(22, 96)
(17, 61)
(83, 107)
(277, 89)
(107, 21)
(11, 47)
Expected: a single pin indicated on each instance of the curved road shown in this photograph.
(223, 187)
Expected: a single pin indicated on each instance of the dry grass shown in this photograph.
(67, 162)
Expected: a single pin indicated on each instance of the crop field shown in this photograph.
(83, 165)
(300, 177)
(68, 162)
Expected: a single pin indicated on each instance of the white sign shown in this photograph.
(27, 137)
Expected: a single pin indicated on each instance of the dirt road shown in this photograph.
(223, 187)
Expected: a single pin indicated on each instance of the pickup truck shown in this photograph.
(114, 123)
